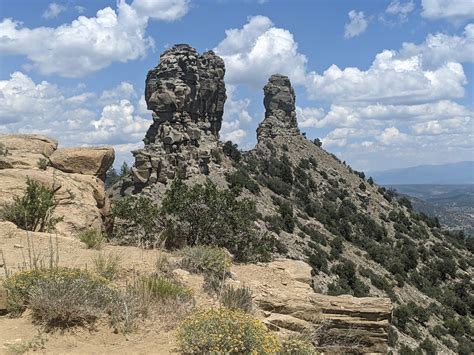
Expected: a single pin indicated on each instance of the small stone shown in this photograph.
(18, 246)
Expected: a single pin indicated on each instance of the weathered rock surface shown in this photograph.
(280, 110)
(283, 293)
(83, 202)
(24, 151)
(186, 92)
(83, 160)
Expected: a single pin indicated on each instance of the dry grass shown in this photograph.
(108, 265)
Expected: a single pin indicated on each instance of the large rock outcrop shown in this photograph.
(186, 93)
(280, 110)
(77, 172)
(83, 160)
(287, 303)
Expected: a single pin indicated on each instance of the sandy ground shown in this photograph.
(20, 335)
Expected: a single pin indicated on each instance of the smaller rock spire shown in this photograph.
(280, 111)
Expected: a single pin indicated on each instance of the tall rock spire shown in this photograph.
(186, 93)
(280, 111)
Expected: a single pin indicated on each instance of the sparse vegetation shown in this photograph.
(237, 298)
(232, 151)
(297, 345)
(93, 238)
(108, 265)
(164, 288)
(225, 331)
(43, 163)
(34, 210)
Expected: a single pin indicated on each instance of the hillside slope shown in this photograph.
(358, 238)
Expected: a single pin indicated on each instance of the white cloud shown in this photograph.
(79, 9)
(166, 10)
(122, 91)
(88, 44)
(391, 135)
(21, 99)
(357, 24)
(236, 114)
(29, 107)
(53, 10)
(351, 116)
(309, 116)
(401, 9)
(440, 48)
(452, 10)
(450, 126)
(390, 80)
(258, 50)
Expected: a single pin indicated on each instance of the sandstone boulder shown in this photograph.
(83, 202)
(24, 151)
(84, 160)
(77, 172)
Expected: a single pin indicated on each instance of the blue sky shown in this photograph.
(384, 84)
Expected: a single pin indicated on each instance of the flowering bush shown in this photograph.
(297, 346)
(225, 331)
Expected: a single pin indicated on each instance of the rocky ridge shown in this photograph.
(357, 237)
(280, 111)
(186, 93)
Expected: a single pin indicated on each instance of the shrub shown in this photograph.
(111, 177)
(225, 331)
(34, 210)
(93, 238)
(19, 285)
(144, 215)
(108, 265)
(164, 288)
(43, 163)
(205, 215)
(240, 179)
(237, 298)
(71, 300)
(428, 346)
(232, 151)
(295, 345)
(207, 260)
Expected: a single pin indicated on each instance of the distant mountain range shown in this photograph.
(449, 174)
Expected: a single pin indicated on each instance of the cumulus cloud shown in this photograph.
(357, 24)
(84, 118)
(89, 44)
(53, 10)
(166, 10)
(236, 115)
(451, 10)
(309, 116)
(440, 48)
(259, 49)
(389, 79)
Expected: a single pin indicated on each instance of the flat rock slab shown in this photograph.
(24, 151)
(85, 160)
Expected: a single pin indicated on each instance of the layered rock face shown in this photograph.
(76, 171)
(339, 324)
(186, 93)
(280, 111)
